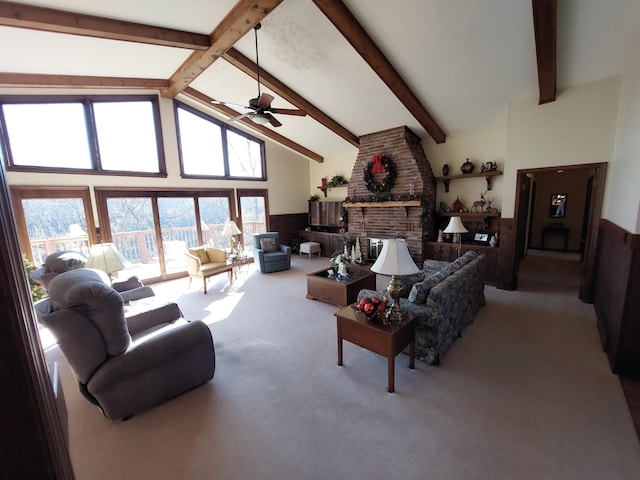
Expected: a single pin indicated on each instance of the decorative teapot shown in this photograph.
(467, 167)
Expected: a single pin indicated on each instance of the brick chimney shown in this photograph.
(367, 220)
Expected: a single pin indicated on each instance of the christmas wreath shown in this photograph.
(384, 165)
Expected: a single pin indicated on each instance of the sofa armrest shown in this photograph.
(192, 263)
(137, 294)
(152, 315)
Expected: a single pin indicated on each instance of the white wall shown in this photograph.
(622, 197)
(578, 128)
(336, 165)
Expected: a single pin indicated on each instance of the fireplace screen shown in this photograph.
(374, 247)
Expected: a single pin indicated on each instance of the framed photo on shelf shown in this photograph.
(481, 238)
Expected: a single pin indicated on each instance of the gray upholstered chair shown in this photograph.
(125, 362)
(269, 255)
(56, 263)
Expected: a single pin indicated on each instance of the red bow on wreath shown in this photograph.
(377, 164)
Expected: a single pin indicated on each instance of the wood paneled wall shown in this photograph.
(617, 296)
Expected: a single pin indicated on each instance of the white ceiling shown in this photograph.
(464, 59)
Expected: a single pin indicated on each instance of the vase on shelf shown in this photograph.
(467, 167)
(445, 169)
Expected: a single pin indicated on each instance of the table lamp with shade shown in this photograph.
(457, 228)
(106, 257)
(230, 229)
(394, 260)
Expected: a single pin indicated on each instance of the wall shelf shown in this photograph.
(328, 187)
(486, 175)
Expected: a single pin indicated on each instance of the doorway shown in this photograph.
(533, 225)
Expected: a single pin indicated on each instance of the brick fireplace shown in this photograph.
(376, 219)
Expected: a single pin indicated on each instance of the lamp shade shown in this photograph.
(230, 228)
(394, 259)
(106, 257)
(455, 226)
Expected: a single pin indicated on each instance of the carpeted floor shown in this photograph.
(525, 393)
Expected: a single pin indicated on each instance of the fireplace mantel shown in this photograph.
(408, 203)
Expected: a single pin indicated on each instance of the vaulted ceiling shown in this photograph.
(356, 66)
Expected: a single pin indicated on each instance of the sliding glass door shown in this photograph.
(253, 206)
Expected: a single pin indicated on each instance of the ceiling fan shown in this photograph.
(260, 106)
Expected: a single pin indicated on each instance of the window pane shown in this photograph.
(214, 211)
(200, 145)
(245, 156)
(127, 136)
(132, 229)
(55, 225)
(254, 218)
(178, 227)
(48, 135)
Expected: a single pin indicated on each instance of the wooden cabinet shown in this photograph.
(329, 242)
(449, 252)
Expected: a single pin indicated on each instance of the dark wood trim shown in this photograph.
(33, 444)
(205, 100)
(506, 275)
(545, 15)
(245, 15)
(30, 80)
(342, 18)
(248, 67)
(52, 20)
(617, 296)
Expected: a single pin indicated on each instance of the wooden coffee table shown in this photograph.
(385, 340)
(330, 290)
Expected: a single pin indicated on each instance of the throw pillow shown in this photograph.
(459, 262)
(201, 253)
(268, 245)
(420, 291)
(407, 282)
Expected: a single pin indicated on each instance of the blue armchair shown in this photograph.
(269, 255)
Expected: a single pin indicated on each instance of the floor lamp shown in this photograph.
(457, 228)
(394, 260)
(230, 229)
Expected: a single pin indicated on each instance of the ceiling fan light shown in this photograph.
(260, 119)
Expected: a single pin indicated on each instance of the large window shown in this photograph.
(82, 135)
(209, 148)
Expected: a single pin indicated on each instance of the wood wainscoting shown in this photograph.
(617, 296)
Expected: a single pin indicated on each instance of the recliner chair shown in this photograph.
(269, 255)
(125, 364)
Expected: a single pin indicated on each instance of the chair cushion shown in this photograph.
(201, 253)
(268, 244)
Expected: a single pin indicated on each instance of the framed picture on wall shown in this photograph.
(558, 205)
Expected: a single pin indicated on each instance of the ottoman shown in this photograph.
(310, 248)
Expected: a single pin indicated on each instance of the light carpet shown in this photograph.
(526, 393)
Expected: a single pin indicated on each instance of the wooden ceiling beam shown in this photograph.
(79, 81)
(545, 20)
(342, 18)
(205, 100)
(237, 59)
(240, 20)
(58, 21)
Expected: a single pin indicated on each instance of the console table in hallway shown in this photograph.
(555, 230)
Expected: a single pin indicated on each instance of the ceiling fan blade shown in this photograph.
(288, 111)
(229, 104)
(265, 100)
(239, 117)
(273, 120)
